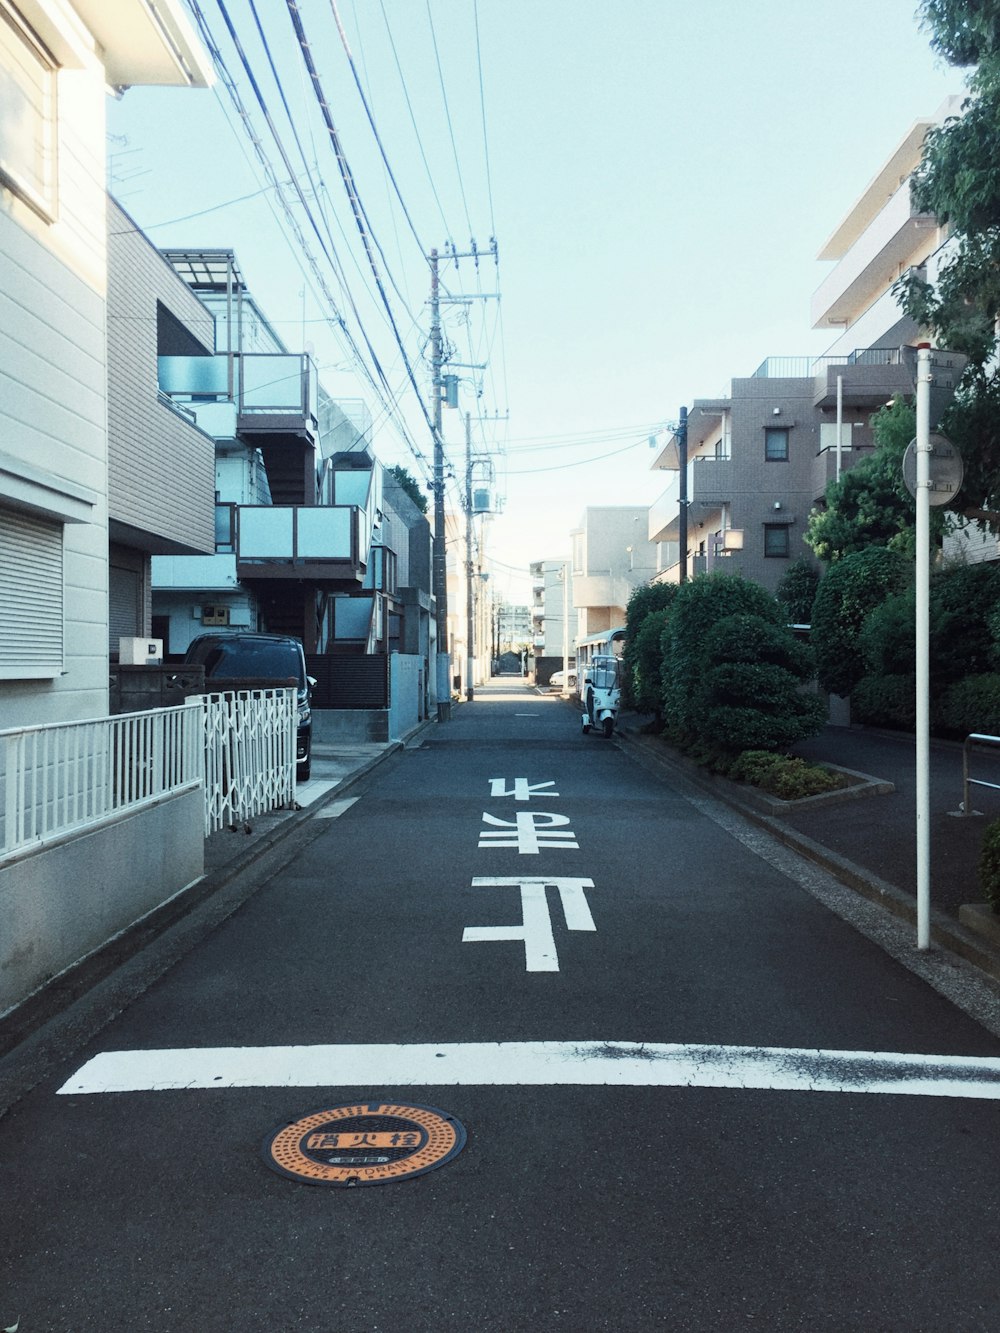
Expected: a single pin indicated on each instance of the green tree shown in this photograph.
(870, 505)
(796, 591)
(958, 181)
(848, 591)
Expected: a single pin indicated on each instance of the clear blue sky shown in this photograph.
(660, 177)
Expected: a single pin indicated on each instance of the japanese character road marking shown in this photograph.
(528, 831)
(535, 928)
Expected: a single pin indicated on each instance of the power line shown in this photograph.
(356, 207)
(384, 395)
(447, 114)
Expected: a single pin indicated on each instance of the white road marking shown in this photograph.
(535, 930)
(522, 790)
(336, 808)
(528, 831)
(540, 1064)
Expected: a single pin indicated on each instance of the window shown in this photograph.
(775, 444)
(31, 597)
(776, 542)
(27, 114)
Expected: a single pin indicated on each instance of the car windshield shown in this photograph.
(254, 658)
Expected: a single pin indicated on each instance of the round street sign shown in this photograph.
(945, 468)
(369, 1143)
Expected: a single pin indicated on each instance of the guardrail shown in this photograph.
(974, 738)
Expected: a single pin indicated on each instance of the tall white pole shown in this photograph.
(923, 450)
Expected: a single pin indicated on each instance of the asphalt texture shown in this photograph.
(609, 1207)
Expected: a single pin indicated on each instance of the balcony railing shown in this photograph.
(270, 391)
(801, 367)
(298, 535)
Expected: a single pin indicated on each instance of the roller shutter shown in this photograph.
(31, 596)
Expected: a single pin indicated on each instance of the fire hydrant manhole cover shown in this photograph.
(368, 1143)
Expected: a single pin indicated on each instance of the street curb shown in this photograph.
(954, 936)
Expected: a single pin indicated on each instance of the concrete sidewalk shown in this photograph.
(869, 843)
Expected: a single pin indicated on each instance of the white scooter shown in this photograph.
(602, 694)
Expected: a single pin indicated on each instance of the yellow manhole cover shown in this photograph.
(369, 1143)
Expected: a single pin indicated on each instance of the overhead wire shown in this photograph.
(447, 113)
(360, 217)
(382, 390)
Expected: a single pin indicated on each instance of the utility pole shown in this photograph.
(440, 568)
(470, 623)
(440, 554)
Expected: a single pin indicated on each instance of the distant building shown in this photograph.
(760, 459)
(612, 555)
(553, 615)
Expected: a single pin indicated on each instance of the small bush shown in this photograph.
(752, 765)
(989, 865)
(790, 779)
(972, 704)
(885, 701)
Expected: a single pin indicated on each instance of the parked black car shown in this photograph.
(239, 660)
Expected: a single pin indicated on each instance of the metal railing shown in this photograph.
(64, 779)
(249, 754)
(59, 779)
(974, 738)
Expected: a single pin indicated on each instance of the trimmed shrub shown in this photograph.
(848, 591)
(989, 865)
(788, 778)
(968, 705)
(642, 662)
(697, 608)
(749, 697)
(885, 701)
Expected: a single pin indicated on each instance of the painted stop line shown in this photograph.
(539, 1064)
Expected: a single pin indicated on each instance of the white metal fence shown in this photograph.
(249, 754)
(64, 778)
(70, 776)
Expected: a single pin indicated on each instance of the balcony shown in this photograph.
(710, 485)
(271, 393)
(896, 238)
(309, 543)
(869, 378)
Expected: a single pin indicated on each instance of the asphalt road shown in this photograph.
(621, 999)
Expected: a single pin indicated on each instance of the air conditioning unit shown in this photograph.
(215, 615)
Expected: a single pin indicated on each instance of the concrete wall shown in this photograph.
(62, 903)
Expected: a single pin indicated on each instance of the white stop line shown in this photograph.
(540, 1063)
